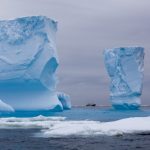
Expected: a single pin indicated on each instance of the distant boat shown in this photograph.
(88, 105)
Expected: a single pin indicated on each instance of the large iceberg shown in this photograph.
(125, 67)
(28, 61)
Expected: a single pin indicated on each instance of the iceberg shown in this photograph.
(28, 62)
(125, 66)
(65, 100)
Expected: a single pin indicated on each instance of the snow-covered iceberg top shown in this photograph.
(125, 66)
(59, 126)
(28, 61)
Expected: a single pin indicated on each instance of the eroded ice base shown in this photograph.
(125, 103)
(29, 97)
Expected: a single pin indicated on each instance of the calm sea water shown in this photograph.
(86, 113)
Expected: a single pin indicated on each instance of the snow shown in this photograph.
(64, 99)
(59, 126)
(125, 66)
(28, 62)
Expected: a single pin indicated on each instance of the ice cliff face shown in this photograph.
(28, 61)
(125, 67)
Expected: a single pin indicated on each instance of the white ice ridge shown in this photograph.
(59, 127)
(28, 61)
(125, 67)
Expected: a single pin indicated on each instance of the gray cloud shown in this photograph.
(85, 28)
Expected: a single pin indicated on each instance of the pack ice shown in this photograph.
(28, 61)
(125, 67)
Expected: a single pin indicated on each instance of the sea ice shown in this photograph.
(125, 67)
(59, 127)
(28, 61)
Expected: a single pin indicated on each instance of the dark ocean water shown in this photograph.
(24, 139)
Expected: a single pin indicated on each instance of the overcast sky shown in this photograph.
(85, 29)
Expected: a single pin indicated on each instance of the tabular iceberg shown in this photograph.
(125, 67)
(28, 61)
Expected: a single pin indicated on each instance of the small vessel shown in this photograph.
(90, 104)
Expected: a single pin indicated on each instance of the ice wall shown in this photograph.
(125, 67)
(28, 61)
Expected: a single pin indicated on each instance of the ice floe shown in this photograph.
(59, 126)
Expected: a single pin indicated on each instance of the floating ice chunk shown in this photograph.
(92, 128)
(59, 127)
(5, 107)
(125, 67)
(65, 100)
